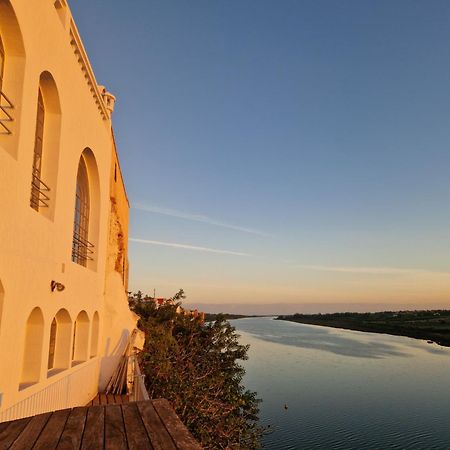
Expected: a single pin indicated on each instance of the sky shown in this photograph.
(281, 151)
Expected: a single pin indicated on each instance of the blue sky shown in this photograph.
(306, 141)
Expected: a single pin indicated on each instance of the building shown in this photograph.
(64, 317)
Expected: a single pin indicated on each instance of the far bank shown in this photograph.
(432, 326)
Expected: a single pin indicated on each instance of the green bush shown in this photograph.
(195, 366)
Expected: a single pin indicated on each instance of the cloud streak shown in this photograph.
(188, 247)
(373, 270)
(197, 218)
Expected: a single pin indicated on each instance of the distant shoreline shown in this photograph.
(211, 317)
(432, 326)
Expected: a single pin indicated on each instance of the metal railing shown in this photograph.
(6, 118)
(138, 390)
(39, 190)
(82, 249)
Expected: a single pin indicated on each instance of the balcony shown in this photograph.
(82, 250)
(6, 118)
(39, 192)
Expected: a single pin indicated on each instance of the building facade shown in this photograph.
(64, 317)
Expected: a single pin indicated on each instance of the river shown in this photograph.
(326, 388)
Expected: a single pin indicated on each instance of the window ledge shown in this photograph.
(76, 363)
(23, 386)
(53, 372)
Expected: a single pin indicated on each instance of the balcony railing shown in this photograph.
(6, 118)
(82, 249)
(74, 389)
(39, 193)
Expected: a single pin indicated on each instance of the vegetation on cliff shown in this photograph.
(195, 366)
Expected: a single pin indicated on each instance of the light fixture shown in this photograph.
(58, 286)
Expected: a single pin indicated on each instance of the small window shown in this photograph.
(39, 189)
(82, 249)
(61, 9)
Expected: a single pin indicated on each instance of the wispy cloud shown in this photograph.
(189, 247)
(372, 270)
(196, 218)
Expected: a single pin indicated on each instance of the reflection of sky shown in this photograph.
(347, 389)
(361, 345)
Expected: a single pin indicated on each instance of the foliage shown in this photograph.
(195, 366)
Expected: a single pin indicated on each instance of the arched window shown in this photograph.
(2, 62)
(59, 343)
(6, 107)
(39, 190)
(95, 334)
(12, 70)
(44, 172)
(82, 248)
(80, 338)
(32, 353)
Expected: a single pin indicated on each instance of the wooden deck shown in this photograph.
(150, 424)
(109, 399)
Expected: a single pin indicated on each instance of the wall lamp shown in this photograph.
(58, 286)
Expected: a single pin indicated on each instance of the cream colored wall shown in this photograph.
(116, 282)
(35, 247)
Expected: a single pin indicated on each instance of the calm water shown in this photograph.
(347, 389)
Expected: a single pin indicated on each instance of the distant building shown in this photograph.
(64, 317)
(161, 301)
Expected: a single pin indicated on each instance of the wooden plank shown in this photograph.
(31, 432)
(137, 437)
(125, 399)
(117, 399)
(180, 434)
(52, 431)
(4, 425)
(93, 437)
(96, 400)
(159, 436)
(110, 399)
(103, 399)
(115, 436)
(10, 430)
(73, 431)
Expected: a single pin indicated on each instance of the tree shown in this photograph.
(195, 366)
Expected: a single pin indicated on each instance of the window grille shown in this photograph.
(6, 105)
(39, 190)
(82, 249)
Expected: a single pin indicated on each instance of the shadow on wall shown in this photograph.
(111, 359)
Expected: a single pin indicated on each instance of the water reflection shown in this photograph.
(347, 390)
(328, 340)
